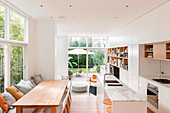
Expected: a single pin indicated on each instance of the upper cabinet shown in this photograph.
(164, 23)
(145, 29)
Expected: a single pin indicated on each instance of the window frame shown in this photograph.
(7, 42)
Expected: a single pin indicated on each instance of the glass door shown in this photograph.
(96, 62)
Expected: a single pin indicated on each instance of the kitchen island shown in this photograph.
(124, 99)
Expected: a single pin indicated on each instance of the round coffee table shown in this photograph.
(79, 87)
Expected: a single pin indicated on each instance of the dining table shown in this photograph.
(47, 94)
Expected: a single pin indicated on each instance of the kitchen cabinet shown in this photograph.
(135, 57)
(142, 87)
(164, 100)
(164, 24)
(100, 97)
(145, 29)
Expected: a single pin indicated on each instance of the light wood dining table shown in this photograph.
(47, 94)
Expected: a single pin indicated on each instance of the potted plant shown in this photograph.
(70, 72)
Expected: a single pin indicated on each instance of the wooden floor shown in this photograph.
(149, 111)
(84, 104)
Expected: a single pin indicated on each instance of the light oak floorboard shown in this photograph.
(84, 104)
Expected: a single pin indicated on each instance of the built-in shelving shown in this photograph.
(157, 51)
(118, 57)
(148, 50)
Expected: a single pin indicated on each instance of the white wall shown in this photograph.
(61, 56)
(44, 49)
(30, 49)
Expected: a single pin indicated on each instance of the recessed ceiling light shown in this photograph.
(41, 5)
(61, 17)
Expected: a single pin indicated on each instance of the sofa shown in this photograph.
(14, 93)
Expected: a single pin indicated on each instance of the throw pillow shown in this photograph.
(23, 86)
(9, 98)
(30, 84)
(64, 77)
(59, 77)
(15, 92)
(3, 104)
(37, 78)
(1, 110)
(32, 81)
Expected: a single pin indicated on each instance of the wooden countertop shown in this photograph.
(47, 94)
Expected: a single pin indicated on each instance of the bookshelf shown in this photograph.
(118, 57)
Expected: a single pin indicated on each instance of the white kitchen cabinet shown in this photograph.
(164, 24)
(100, 97)
(124, 76)
(135, 57)
(164, 100)
(142, 87)
(145, 29)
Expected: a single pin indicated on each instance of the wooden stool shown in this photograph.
(107, 102)
(109, 109)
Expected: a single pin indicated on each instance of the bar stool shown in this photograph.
(107, 102)
(109, 109)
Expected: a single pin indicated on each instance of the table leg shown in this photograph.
(53, 109)
(18, 110)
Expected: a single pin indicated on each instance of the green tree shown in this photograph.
(2, 22)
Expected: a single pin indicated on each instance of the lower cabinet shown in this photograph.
(142, 90)
(164, 100)
(100, 97)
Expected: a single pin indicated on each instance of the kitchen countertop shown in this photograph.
(119, 93)
(149, 78)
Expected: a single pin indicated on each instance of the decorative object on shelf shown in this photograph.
(119, 57)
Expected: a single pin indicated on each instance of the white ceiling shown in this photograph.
(87, 17)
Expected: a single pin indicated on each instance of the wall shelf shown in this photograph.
(118, 57)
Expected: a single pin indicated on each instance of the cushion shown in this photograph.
(59, 77)
(9, 98)
(23, 86)
(64, 77)
(1, 110)
(3, 104)
(30, 84)
(32, 81)
(15, 92)
(37, 78)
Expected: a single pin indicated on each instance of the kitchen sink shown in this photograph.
(111, 81)
(114, 84)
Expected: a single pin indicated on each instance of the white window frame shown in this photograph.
(8, 43)
(90, 48)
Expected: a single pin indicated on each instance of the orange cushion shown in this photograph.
(15, 92)
(3, 104)
(94, 76)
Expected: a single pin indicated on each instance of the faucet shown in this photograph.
(105, 76)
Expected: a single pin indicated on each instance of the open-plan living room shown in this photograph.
(82, 56)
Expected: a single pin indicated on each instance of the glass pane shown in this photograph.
(77, 42)
(96, 62)
(16, 27)
(2, 22)
(97, 42)
(1, 69)
(77, 64)
(16, 64)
